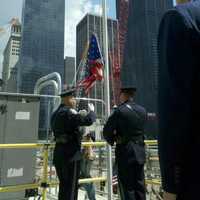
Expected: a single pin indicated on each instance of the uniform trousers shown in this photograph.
(68, 175)
(131, 181)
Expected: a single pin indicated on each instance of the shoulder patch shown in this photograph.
(73, 111)
(128, 106)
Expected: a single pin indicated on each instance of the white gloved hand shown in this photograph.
(90, 107)
(83, 112)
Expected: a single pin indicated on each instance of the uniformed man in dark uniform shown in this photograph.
(65, 123)
(125, 127)
(178, 101)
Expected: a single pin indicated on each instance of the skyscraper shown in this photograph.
(42, 47)
(69, 71)
(11, 56)
(94, 24)
(140, 62)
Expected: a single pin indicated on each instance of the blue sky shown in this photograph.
(111, 5)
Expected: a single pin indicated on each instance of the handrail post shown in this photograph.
(44, 184)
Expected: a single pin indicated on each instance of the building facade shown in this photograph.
(70, 73)
(11, 57)
(94, 24)
(140, 60)
(42, 47)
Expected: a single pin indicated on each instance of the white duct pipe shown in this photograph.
(42, 85)
(55, 75)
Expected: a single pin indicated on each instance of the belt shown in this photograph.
(63, 139)
(134, 139)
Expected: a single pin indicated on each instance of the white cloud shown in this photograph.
(75, 11)
(98, 9)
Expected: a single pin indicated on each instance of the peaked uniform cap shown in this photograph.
(128, 88)
(70, 92)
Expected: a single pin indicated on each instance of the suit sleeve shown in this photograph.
(173, 102)
(109, 131)
(79, 120)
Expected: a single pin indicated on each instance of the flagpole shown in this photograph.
(107, 95)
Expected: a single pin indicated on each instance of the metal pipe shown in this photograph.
(55, 75)
(91, 99)
(48, 120)
(48, 96)
(42, 85)
(26, 95)
(107, 94)
(45, 171)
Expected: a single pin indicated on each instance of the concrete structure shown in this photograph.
(11, 55)
(140, 66)
(69, 71)
(93, 24)
(42, 46)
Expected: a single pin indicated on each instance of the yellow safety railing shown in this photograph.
(44, 183)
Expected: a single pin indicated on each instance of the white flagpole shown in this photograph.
(107, 95)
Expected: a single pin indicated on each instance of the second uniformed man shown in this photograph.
(125, 127)
(65, 123)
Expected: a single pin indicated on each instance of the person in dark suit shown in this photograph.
(178, 101)
(65, 123)
(125, 127)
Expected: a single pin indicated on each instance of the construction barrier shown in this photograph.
(44, 184)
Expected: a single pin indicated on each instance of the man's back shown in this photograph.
(131, 119)
(179, 77)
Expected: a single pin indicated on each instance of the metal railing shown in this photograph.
(44, 183)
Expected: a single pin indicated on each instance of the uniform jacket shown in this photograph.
(127, 122)
(178, 98)
(66, 122)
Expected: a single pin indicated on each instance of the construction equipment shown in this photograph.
(19, 116)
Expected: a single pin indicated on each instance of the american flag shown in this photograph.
(93, 66)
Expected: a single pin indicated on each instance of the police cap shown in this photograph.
(66, 93)
(128, 89)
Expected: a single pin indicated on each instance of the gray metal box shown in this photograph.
(19, 117)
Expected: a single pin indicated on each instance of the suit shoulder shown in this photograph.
(129, 106)
(178, 13)
(190, 12)
(175, 21)
(140, 108)
(120, 108)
